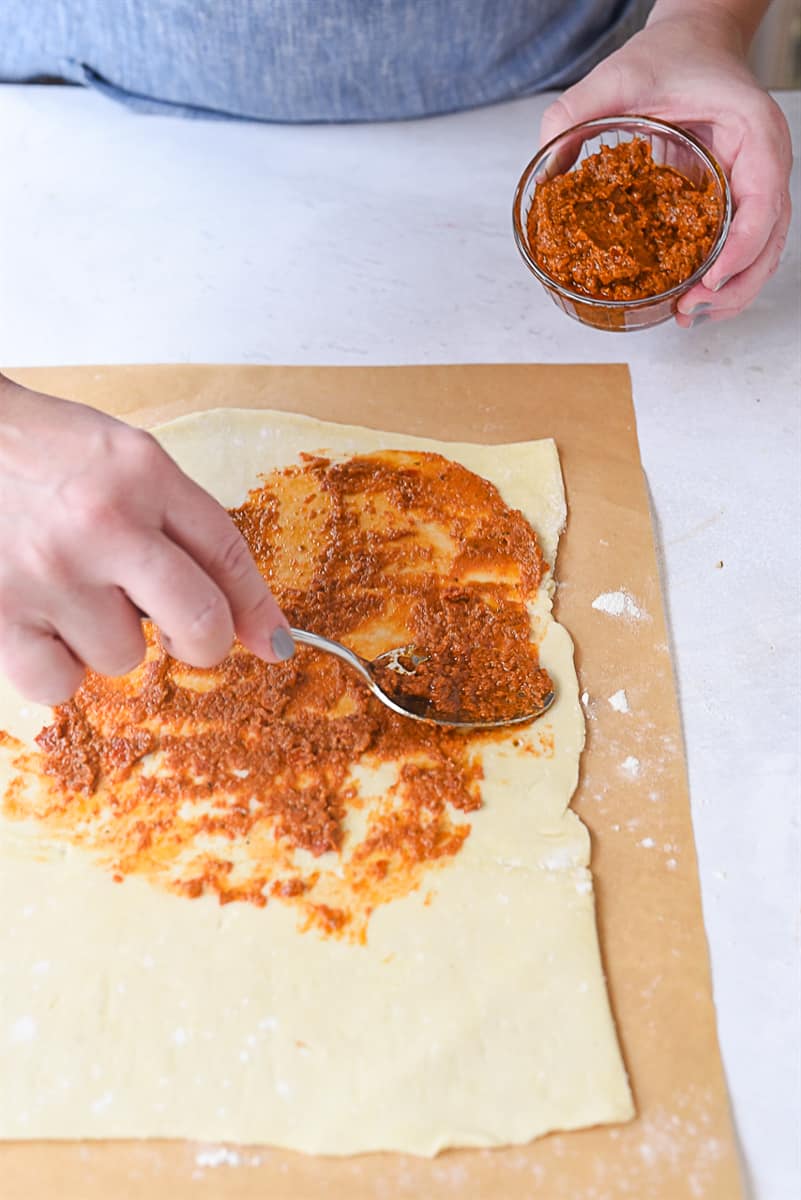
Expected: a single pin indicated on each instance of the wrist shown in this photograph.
(9, 397)
(21, 408)
(7, 386)
(725, 24)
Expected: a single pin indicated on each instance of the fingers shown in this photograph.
(753, 223)
(735, 295)
(203, 528)
(102, 629)
(73, 572)
(39, 665)
(555, 120)
(608, 89)
(189, 608)
(759, 184)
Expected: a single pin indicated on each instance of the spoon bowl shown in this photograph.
(405, 660)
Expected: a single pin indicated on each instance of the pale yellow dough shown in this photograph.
(478, 1019)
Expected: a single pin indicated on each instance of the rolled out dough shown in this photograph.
(475, 1015)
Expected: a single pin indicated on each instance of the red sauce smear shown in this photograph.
(239, 781)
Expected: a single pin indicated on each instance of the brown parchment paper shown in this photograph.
(681, 1145)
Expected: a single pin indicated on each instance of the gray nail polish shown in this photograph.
(699, 319)
(699, 308)
(721, 283)
(282, 644)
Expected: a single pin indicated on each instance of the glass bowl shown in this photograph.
(670, 146)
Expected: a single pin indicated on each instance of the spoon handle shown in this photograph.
(353, 660)
(335, 648)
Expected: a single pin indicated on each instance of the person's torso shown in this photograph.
(312, 60)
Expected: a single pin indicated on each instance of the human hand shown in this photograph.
(97, 522)
(688, 67)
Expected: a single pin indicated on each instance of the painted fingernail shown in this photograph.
(699, 308)
(721, 283)
(699, 319)
(282, 644)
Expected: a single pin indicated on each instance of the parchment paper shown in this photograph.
(632, 797)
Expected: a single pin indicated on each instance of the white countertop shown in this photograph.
(149, 239)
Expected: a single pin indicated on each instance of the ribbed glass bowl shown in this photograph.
(671, 147)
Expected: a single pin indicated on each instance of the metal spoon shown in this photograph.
(415, 707)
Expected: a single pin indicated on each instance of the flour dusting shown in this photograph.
(217, 1156)
(620, 701)
(557, 860)
(618, 604)
(631, 766)
(102, 1102)
(22, 1030)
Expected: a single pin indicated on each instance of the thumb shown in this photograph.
(605, 92)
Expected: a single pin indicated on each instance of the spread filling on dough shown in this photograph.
(213, 780)
(410, 960)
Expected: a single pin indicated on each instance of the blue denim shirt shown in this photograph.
(312, 60)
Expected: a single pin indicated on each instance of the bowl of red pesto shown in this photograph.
(619, 217)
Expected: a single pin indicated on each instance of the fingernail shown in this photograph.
(282, 644)
(699, 319)
(699, 308)
(721, 283)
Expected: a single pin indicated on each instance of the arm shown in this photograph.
(97, 525)
(688, 66)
